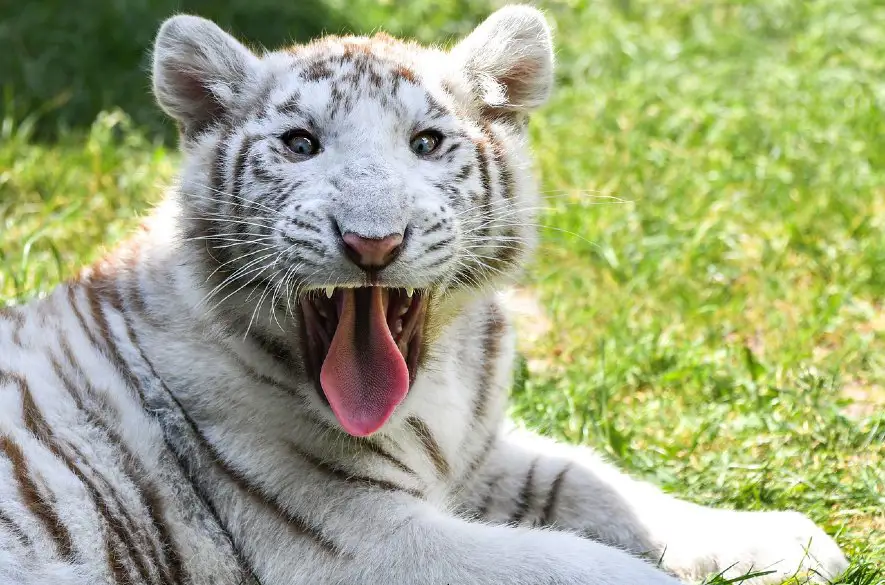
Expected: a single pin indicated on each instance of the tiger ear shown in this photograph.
(508, 59)
(199, 71)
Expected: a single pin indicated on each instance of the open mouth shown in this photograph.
(362, 346)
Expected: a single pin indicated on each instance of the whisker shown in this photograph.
(237, 259)
(249, 202)
(239, 273)
(253, 242)
(257, 309)
(259, 270)
(223, 239)
(226, 219)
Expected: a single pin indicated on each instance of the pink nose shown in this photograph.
(372, 253)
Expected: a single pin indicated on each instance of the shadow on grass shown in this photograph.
(68, 61)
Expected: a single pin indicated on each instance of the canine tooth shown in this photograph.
(409, 292)
(398, 327)
(329, 291)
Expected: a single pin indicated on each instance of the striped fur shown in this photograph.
(157, 423)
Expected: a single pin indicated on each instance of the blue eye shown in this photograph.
(425, 142)
(301, 142)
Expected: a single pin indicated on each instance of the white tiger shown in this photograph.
(296, 372)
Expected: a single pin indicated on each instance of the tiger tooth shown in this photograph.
(409, 292)
(329, 291)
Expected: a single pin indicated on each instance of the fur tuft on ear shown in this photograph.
(508, 59)
(199, 71)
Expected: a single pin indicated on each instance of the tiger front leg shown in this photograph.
(528, 480)
(405, 543)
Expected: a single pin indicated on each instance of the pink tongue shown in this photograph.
(364, 375)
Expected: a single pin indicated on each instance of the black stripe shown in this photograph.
(440, 244)
(93, 293)
(174, 571)
(111, 522)
(18, 322)
(491, 345)
(491, 348)
(434, 263)
(304, 225)
(261, 104)
(373, 446)
(431, 447)
(114, 540)
(488, 194)
(315, 247)
(345, 476)
(240, 170)
(507, 252)
(474, 273)
(35, 501)
(275, 348)
(434, 108)
(434, 228)
(254, 374)
(525, 497)
(359, 444)
(72, 299)
(483, 160)
(284, 193)
(258, 494)
(217, 180)
(38, 426)
(549, 509)
(464, 173)
(10, 314)
(140, 307)
(260, 171)
(481, 457)
(115, 553)
(159, 542)
(292, 105)
(117, 523)
(250, 489)
(112, 351)
(16, 530)
(489, 497)
(505, 176)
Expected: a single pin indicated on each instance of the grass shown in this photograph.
(707, 307)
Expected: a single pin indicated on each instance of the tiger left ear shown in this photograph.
(508, 60)
(200, 71)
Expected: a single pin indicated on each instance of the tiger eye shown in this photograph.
(301, 142)
(425, 142)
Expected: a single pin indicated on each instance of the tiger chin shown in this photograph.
(296, 371)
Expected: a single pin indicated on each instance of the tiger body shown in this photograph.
(171, 416)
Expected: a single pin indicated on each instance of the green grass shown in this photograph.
(709, 303)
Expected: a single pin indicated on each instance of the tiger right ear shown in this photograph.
(508, 60)
(200, 72)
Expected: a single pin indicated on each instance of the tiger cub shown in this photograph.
(296, 371)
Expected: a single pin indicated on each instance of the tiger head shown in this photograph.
(363, 186)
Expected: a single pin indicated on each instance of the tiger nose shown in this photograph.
(372, 253)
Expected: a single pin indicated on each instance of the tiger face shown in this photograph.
(358, 183)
